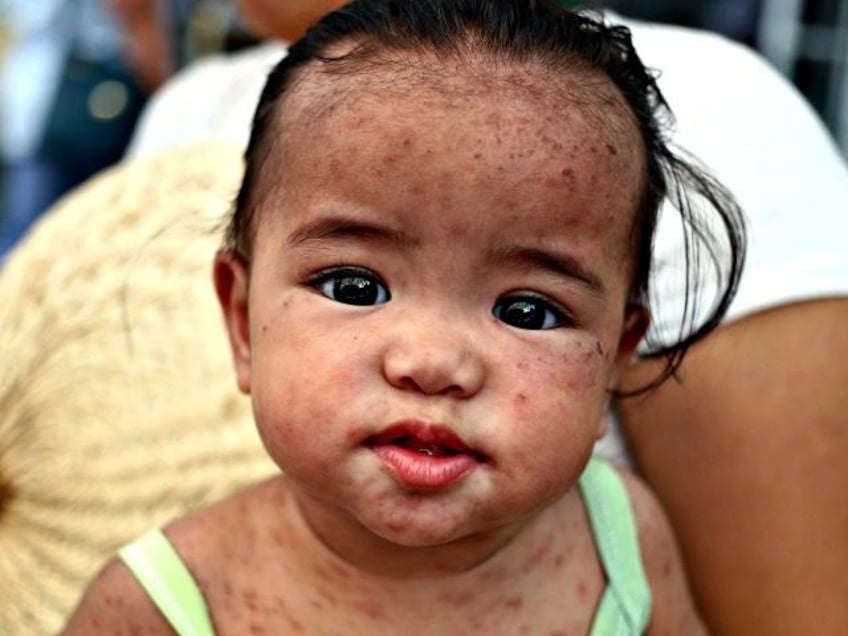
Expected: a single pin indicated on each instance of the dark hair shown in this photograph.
(539, 32)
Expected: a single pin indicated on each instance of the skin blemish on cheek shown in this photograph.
(370, 608)
(612, 149)
(478, 155)
(514, 603)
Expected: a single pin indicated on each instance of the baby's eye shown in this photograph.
(530, 312)
(351, 286)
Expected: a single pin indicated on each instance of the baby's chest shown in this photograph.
(567, 607)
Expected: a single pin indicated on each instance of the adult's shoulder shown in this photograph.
(719, 89)
(211, 100)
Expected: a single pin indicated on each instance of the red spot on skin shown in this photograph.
(478, 155)
(278, 538)
(599, 347)
(296, 626)
(250, 600)
(458, 599)
(567, 173)
(337, 570)
(612, 149)
(520, 398)
(514, 603)
(559, 560)
(370, 608)
(256, 629)
(538, 557)
(666, 569)
(582, 591)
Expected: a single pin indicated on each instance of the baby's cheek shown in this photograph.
(577, 369)
(559, 386)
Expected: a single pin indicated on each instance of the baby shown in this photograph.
(437, 266)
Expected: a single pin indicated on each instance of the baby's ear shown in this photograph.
(231, 276)
(637, 318)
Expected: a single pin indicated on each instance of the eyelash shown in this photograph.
(554, 315)
(376, 295)
(365, 288)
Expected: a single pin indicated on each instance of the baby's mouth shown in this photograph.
(427, 440)
(422, 448)
(424, 457)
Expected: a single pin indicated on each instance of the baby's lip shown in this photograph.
(435, 440)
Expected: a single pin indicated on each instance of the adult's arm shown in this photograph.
(748, 454)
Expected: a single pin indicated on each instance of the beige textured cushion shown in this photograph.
(118, 407)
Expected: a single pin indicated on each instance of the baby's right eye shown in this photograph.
(351, 286)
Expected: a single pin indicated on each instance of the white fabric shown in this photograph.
(763, 141)
(745, 122)
(211, 100)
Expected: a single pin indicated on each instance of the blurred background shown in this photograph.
(75, 74)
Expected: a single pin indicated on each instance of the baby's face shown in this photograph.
(437, 305)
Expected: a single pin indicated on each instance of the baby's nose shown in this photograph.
(439, 364)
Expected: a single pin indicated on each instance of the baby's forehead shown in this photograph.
(573, 140)
(458, 83)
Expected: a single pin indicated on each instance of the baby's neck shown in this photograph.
(499, 554)
(498, 583)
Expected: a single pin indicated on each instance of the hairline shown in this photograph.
(382, 65)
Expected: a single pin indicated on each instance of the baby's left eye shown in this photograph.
(530, 312)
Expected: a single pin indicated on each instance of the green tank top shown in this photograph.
(624, 610)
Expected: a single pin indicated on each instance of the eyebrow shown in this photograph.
(558, 264)
(340, 227)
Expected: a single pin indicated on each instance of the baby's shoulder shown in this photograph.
(673, 607)
(115, 603)
(211, 540)
(213, 543)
